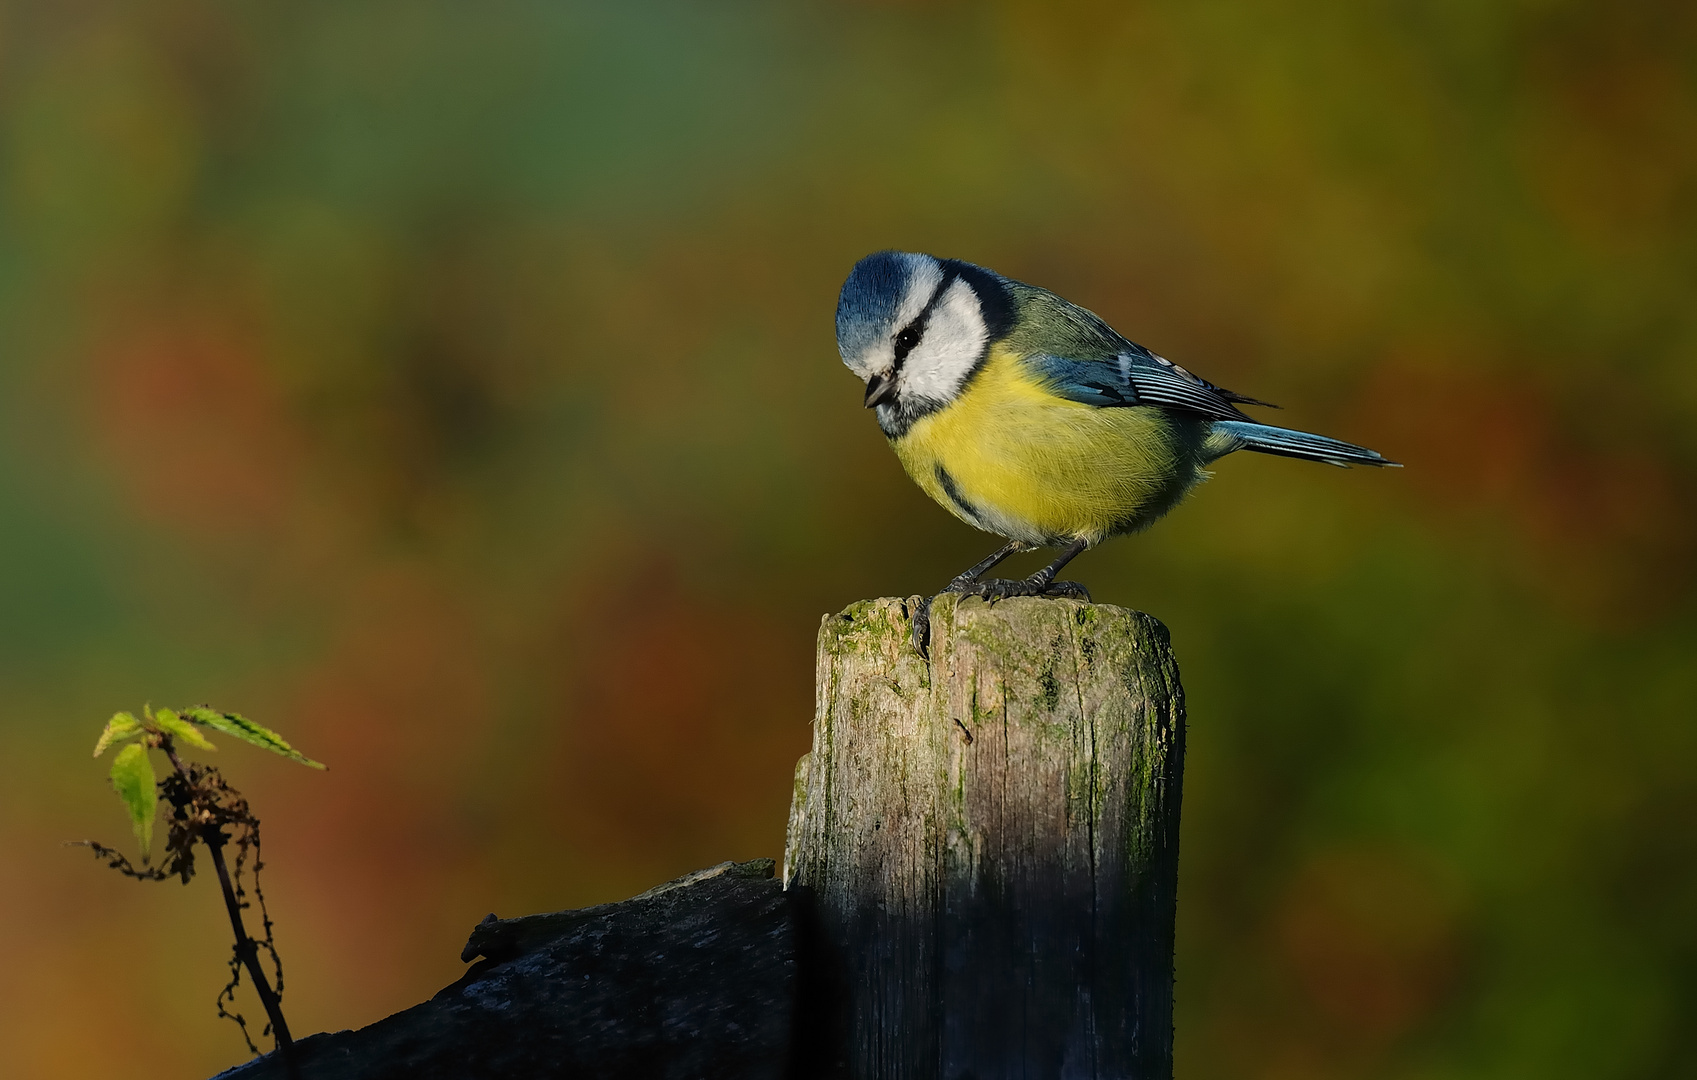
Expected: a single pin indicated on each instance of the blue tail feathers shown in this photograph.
(1228, 435)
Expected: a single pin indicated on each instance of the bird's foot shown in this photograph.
(995, 589)
(991, 590)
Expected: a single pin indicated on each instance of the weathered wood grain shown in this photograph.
(986, 846)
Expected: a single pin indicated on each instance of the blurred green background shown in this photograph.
(453, 387)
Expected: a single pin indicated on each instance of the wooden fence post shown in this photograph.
(985, 847)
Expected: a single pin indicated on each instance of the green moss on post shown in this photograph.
(987, 845)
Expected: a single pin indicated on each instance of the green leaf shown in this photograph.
(175, 726)
(132, 778)
(248, 731)
(122, 726)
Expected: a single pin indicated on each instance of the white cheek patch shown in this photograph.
(954, 340)
(924, 277)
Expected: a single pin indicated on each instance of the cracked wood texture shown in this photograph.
(985, 846)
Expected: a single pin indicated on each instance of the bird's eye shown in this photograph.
(905, 341)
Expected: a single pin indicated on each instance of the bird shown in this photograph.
(1029, 417)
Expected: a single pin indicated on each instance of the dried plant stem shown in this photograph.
(247, 950)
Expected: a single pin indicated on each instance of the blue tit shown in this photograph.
(1031, 418)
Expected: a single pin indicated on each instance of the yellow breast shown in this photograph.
(1015, 460)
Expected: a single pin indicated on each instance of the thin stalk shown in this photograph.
(247, 950)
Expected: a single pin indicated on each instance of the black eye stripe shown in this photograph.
(910, 336)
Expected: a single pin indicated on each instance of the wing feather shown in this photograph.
(1136, 376)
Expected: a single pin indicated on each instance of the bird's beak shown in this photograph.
(879, 389)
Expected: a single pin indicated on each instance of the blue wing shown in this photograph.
(1135, 376)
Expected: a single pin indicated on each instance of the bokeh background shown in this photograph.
(452, 387)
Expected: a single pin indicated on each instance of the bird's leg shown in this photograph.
(972, 573)
(1042, 583)
(962, 582)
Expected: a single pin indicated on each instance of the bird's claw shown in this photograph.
(1071, 590)
(922, 628)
